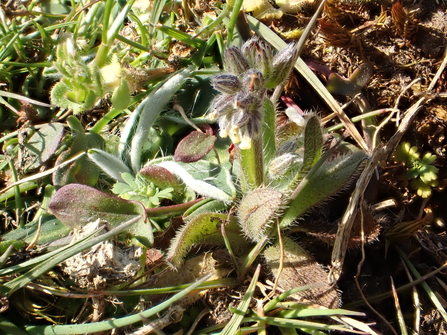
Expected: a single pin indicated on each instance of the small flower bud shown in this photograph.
(283, 64)
(222, 105)
(245, 143)
(244, 100)
(235, 62)
(226, 83)
(249, 50)
(259, 55)
(235, 136)
(224, 126)
(279, 165)
(253, 81)
(240, 119)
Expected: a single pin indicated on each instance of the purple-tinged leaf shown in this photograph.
(76, 205)
(160, 176)
(194, 147)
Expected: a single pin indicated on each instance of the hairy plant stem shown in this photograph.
(252, 163)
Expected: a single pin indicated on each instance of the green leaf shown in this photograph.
(161, 177)
(130, 180)
(42, 145)
(194, 174)
(412, 173)
(121, 96)
(204, 206)
(353, 85)
(83, 171)
(203, 229)
(423, 190)
(51, 229)
(324, 182)
(428, 158)
(8, 327)
(120, 188)
(268, 130)
(405, 153)
(429, 173)
(236, 320)
(257, 211)
(110, 164)
(181, 36)
(313, 142)
(79, 101)
(135, 133)
(313, 147)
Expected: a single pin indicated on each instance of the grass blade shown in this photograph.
(235, 322)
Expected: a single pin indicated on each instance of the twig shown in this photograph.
(345, 226)
(439, 72)
(281, 262)
(180, 109)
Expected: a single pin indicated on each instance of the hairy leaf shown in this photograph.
(193, 175)
(194, 147)
(76, 205)
(203, 229)
(42, 145)
(326, 181)
(313, 146)
(257, 210)
(301, 269)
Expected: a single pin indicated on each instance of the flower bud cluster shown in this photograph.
(251, 70)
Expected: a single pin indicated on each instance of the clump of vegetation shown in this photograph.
(421, 172)
(168, 166)
(83, 84)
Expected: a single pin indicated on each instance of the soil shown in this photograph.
(408, 44)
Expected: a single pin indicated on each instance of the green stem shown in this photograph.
(110, 31)
(233, 18)
(180, 208)
(268, 131)
(252, 163)
(215, 23)
(18, 197)
(105, 120)
(359, 118)
(250, 258)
